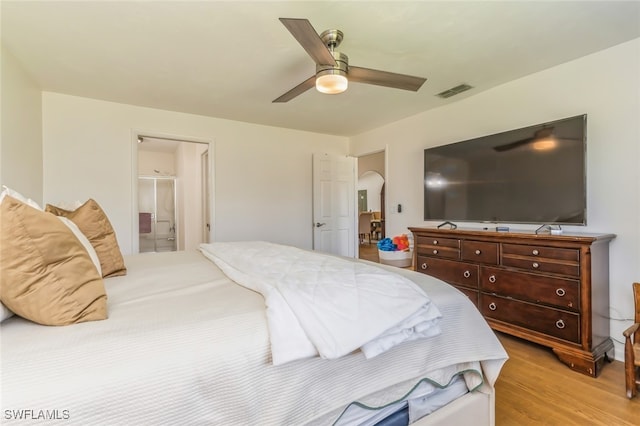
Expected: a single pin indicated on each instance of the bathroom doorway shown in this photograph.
(173, 194)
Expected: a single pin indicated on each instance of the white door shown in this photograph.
(334, 203)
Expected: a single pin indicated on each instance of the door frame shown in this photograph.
(206, 210)
(138, 133)
(383, 201)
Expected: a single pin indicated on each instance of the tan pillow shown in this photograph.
(95, 225)
(46, 275)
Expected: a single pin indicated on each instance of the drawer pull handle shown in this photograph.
(435, 252)
(536, 265)
(435, 242)
(467, 274)
(492, 306)
(492, 279)
(424, 266)
(478, 252)
(560, 324)
(535, 252)
(560, 292)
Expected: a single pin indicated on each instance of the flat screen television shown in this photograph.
(534, 175)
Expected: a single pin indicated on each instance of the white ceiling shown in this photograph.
(230, 59)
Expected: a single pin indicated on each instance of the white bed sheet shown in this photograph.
(185, 345)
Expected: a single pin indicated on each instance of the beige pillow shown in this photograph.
(46, 275)
(95, 225)
(5, 312)
(84, 241)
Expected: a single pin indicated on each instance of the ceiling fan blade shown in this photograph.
(384, 78)
(298, 90)
(308, 38)
(544, 133)
(512, 145)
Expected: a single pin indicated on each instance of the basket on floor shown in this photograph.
(401, 259)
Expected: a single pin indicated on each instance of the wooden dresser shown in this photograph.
(549, 289)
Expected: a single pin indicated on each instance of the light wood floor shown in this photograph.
(535, 388)
(369, 251)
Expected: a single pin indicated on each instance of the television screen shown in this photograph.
(530, 175)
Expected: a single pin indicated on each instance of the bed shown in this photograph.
(185, 344)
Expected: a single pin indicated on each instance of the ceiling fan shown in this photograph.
(543, 134)
(333, 71)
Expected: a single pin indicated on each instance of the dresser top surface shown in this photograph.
(491, 233)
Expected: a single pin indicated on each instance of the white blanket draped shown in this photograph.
(326, 305)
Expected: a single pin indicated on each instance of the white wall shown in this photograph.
(21, 134)
(150, 161)
(262, 174)
(606, 86)
(371, 162)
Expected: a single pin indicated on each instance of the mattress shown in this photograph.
(186, 345)
(424, 400)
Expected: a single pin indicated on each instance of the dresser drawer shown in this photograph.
(437, 241)
(561, 324)
(542, 265)
(563, 293)
(479, 251)
(541, 252)
(456, 273)
(445, 248)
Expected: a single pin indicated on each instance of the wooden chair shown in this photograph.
(376, 225)
(632, 348)
(364, 225)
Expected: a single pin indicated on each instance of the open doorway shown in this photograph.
(173, 194)
(371, 203)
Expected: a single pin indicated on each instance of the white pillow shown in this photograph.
(5, 312)
(70, 206)
(10, 192)
(84, 241)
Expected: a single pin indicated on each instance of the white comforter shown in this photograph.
(326, 305)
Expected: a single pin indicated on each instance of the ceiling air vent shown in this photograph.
(454, 90)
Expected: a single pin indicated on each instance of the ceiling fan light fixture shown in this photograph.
(545, 144)
(331, 81)
(544, 139)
